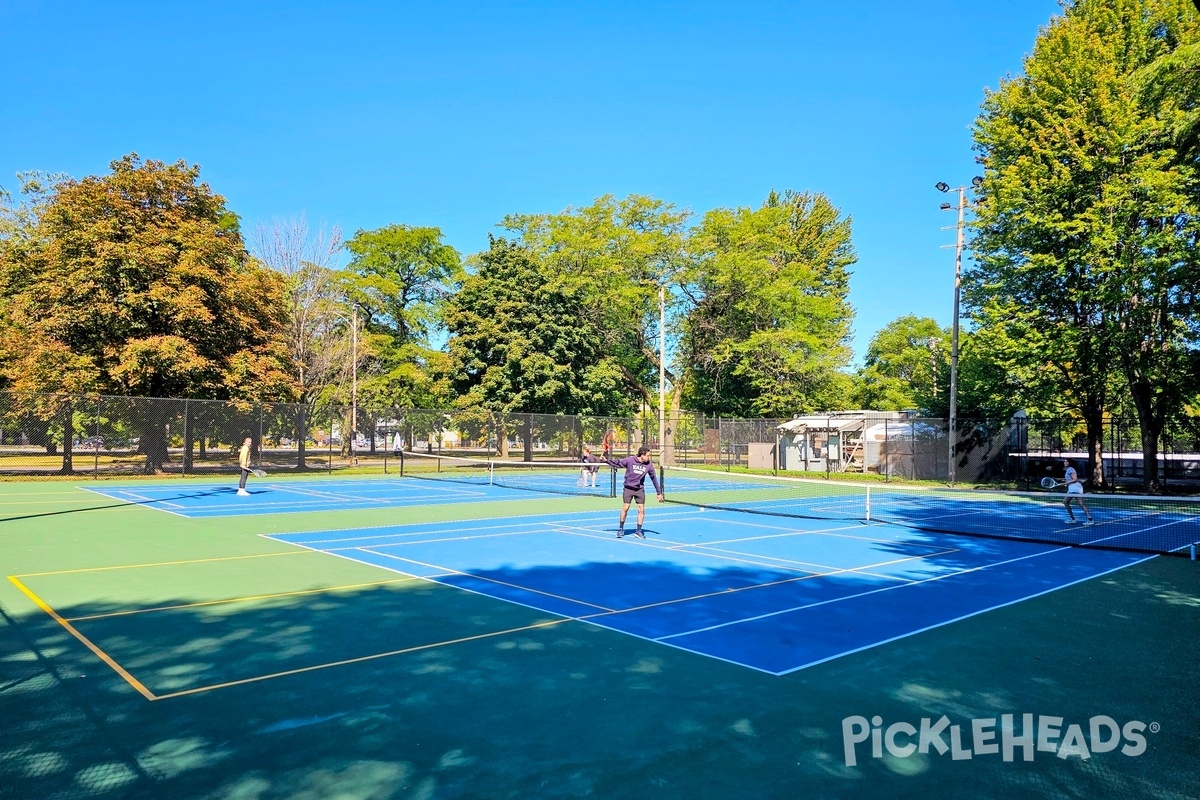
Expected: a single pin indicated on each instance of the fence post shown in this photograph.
(828, 451)
(775, 459)
(886, 453)
(187, 439)
(260, 434)
(96, 442)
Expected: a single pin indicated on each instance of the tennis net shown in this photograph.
(1121, 522)
(553, 477)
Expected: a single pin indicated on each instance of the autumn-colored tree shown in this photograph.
(137, 283)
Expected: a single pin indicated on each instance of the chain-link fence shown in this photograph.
(108, 436)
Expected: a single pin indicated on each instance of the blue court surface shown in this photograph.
(775, 595)
(344, 493)
(280, 497)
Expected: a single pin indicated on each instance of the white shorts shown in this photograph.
(1075, 488)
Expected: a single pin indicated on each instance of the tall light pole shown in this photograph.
(662, 375)
(958, 251)
(353, 378)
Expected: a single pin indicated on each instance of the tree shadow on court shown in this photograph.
(482, 698)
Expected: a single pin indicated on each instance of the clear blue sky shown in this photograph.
(455, 114)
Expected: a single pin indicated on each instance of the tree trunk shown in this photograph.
(347, 432)
(189, 439)
(37, 432)
(1151, 421)
(501, 437)
(1093, 417)
(668, 445)
(152, 443)
(301, 434)
(68, 426)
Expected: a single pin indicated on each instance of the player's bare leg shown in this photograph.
(621, 526)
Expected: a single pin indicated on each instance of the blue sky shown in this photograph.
(455, 114)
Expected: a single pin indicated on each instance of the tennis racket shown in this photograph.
(1050, 483)
(258, 473)
(581, 481)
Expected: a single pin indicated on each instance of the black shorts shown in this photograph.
(638, 494)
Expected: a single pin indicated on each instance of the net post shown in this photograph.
(491, 473)
(868, 504)
(1192, 548)
(400, 455)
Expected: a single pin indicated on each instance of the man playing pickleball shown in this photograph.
(637, 469)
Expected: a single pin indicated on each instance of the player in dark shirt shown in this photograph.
(637, 469)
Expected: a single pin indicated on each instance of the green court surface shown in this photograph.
(150, 655)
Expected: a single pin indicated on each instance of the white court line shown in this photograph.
(523, 520)
(324, 495)
(440, 540)
(803, 564)
(870, 592)
(151, 504)
(960, 618)
(450, 572)
(748, 558)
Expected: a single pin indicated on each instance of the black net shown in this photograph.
(573, 478)
(1120, 522)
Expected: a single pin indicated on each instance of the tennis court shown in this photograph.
(772, 597)
(454, 636)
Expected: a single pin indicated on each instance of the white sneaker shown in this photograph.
(243, 493)
(1090, 521)
(1071, 520)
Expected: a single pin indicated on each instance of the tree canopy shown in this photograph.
(1086, 271)
(137, 283)
(907, 366)
(768, 319)
(518, 342)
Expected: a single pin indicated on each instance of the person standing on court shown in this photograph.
(589, 472)
(637, 469)
(1074, 492)
(244, 463)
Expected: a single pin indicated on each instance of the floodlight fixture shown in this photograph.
(942, 186)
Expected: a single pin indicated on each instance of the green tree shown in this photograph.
(137, 283)
(517, 342)
(1086, 266)
(400, 277)
(614, 255)
(768, 321)
(907, 363)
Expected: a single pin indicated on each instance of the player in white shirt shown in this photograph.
(1074, 492)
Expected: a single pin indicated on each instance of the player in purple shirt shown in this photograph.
(637, 469)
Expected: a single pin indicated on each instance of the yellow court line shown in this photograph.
(239, 599)
(163, 563)
(361, 659)
(103, 656)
